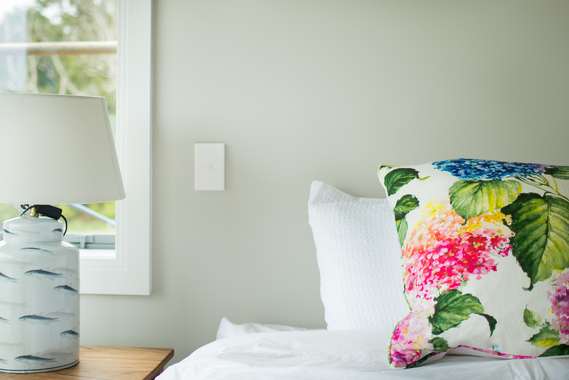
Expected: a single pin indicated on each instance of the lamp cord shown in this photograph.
(65, 220)
(46, 210)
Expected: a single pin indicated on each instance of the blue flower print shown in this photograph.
(487, 169)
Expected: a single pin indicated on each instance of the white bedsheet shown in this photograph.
(331, 355)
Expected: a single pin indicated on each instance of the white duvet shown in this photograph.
(344, 355)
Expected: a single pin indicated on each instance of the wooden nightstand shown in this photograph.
(105, 362)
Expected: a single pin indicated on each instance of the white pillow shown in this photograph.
(358, 253)
(228, 329)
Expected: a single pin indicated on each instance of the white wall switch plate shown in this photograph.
(210, 166)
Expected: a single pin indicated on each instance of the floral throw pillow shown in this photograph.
(485, 248)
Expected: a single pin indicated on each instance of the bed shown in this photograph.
(452, 276)
(330, 355)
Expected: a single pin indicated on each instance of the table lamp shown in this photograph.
(54, 149)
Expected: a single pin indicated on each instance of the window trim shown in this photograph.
(130, 271)
(89, 242)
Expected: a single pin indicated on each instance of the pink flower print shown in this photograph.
(410, 340)
(559, 298)
(442, 252)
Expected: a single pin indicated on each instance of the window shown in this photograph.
(127, 269)
(64, 47)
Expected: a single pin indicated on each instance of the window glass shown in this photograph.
(62, 47)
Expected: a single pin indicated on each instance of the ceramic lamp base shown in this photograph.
(39, 297)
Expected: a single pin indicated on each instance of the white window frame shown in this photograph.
(129, 271)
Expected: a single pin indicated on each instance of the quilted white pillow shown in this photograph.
(358, 255)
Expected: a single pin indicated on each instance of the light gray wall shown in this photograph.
(304, 90)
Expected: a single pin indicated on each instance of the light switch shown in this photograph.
(210, 166)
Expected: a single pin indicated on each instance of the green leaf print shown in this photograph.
(397, 178)
(402, 228)
(546, 337)
(472, 198)
(561, 172)
(452, 308)
(439, 344)
(531, 318)
(492, 322)
(541, 240)
(559, 350)
(405, 205)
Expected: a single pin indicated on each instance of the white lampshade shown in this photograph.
(57, 149)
